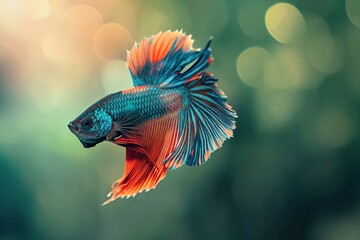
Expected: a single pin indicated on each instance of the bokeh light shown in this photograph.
(11, 16)
(285, 23)
(56, 49)
(213, 22)
(154, 21)
(324, 54)
(323, 49)
(115, 76)
(285, 69)
(111, 41)
(353, 11)
(124, 12)
(334, 127)
(37, 9)
(250, 18)
(290, 70)
(71, 42)
(164, 16)
(345, 226)
(352, 40)
(251, 65)
(277, 107)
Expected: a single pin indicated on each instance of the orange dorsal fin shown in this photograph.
(159, 57)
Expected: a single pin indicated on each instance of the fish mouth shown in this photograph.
(87, 143)
(73, 127)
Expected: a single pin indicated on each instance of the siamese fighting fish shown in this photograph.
(174, 115)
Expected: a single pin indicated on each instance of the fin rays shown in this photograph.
(159, 58)
(208, 122)
(144, 157)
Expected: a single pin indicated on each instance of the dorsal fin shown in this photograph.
(159, 59)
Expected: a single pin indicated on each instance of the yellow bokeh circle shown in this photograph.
(250, 65)
(111, 42)
(285, 23)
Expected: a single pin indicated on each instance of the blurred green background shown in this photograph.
(290, 70)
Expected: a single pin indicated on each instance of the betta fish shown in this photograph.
(174, 115)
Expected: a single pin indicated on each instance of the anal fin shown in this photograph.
(145, 153)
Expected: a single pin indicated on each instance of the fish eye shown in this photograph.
(87, 123)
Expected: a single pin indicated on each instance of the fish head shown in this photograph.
(91, 127)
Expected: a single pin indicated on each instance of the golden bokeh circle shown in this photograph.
(55, 50)
(79, 24)
(37, 9)
(285, 23)
(111, 42)
(70, 41)
(250, 65)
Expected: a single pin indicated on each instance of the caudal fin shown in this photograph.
(206, 123)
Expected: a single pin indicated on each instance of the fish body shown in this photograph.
(149, 102)
(170, 118)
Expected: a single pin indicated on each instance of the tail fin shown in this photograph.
(206, 123)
